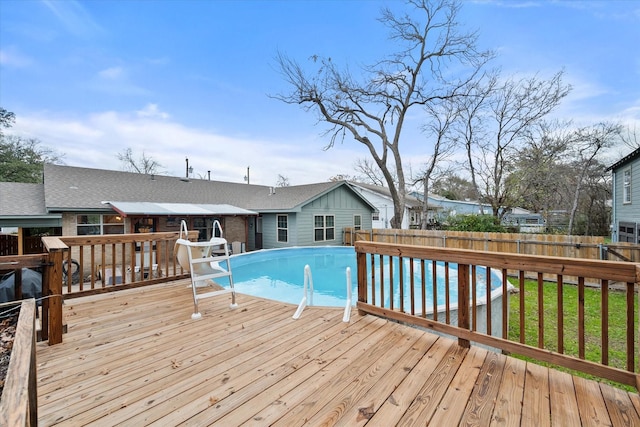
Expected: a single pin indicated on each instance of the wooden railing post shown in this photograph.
(53, 289)
(361, 260)
(463, 302)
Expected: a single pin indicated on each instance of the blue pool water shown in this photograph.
(278, 274)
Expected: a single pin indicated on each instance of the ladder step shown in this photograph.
(209, 259)
(214, 293)
(199, 277)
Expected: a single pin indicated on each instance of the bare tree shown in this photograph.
(369, 172)
(283, 181)
(341, 177)
(472, 127)
(540, 167)
(145, 164)
(441, 118)
(631, 138)
(510, 109)
(587, 144)
(374, 111)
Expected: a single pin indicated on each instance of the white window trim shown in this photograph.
(278, 228)
(626, 190)
(324, 228)
(356, 226)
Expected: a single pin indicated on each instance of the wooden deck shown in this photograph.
(136, 358)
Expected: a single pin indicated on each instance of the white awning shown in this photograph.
(171, 209)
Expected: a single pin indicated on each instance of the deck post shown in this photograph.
(463, 302)
(53, 277)
(361, 261)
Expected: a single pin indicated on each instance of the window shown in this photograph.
(626, 189)
(324, 228)
(96, 224)
(283, 228)
(357, 222)
(375, 216)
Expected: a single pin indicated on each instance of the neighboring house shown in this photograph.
(380, 198)
(447, 207)
(441, 208)
(625, 214)
(81, 201)
(525, 220)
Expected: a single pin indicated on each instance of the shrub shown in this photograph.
(481, 223)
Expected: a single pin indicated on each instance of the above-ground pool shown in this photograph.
(278, 274)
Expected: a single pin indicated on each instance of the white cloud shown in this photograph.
(152, 111)
(94, 141)
(74, 17)
(13, 58)
(112, 73)
(115, 81)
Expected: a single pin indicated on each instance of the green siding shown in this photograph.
(628, 212)
(270, 233)
(343, 203)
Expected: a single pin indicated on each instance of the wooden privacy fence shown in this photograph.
(588, 247)
(8, 244)
(394, 281)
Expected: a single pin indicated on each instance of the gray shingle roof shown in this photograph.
(74, 188)
(19, 198)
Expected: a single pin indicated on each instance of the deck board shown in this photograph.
(480, 406)
(562, 397)
(510, 398)
(136, 357)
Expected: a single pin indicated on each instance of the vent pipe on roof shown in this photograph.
(272, 191)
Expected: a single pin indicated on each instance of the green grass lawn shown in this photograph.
(592, 316)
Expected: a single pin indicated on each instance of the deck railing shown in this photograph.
(96, 264)
(588, 247)
(86, 265)
(393, 282)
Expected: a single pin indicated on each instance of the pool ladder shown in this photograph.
(308, 294)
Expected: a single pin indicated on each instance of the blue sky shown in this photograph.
(191, 78)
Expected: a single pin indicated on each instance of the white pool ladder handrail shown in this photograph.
(307, 290)
(216, 223)
(308, 294)
(203, 265)
(347, 308)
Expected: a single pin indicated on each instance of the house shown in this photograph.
(524, 220)
(625, 214)
(380, 198)
(82, 201)
(440, 208)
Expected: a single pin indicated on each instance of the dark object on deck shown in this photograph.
(31, 285)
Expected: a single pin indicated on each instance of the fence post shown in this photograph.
(463, 302)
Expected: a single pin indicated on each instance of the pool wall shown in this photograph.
(481, 312)
(290, 269)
